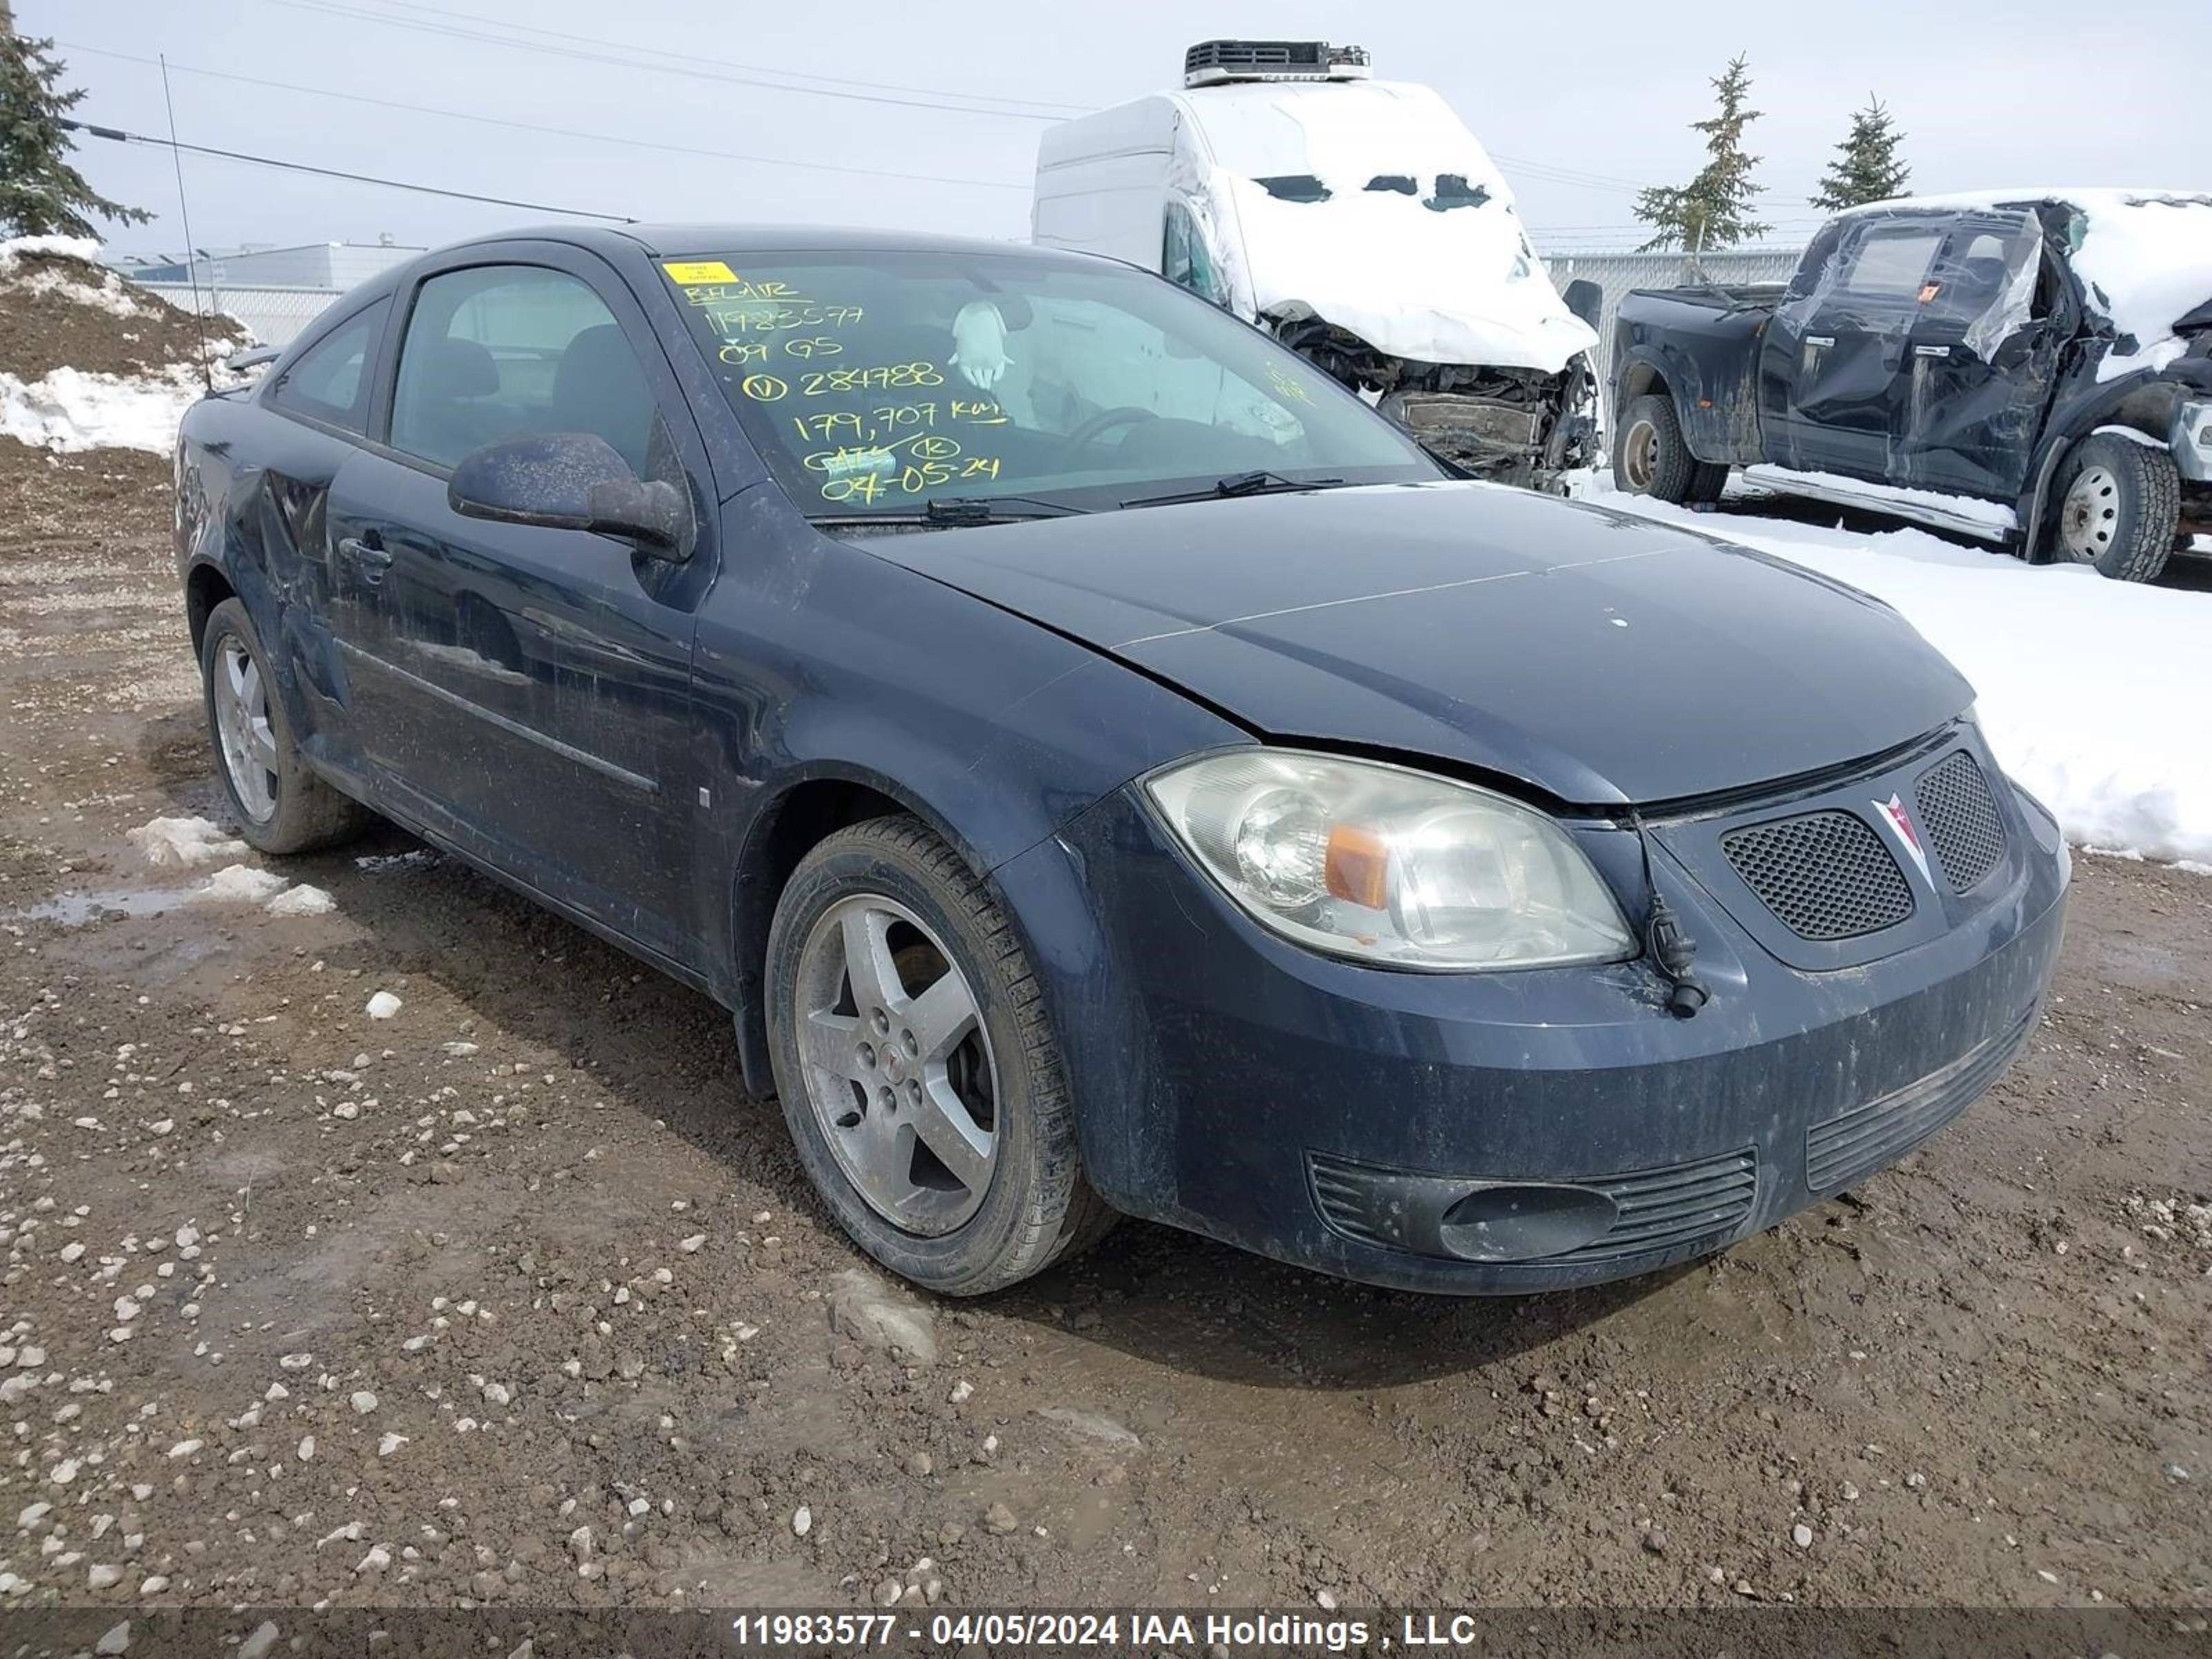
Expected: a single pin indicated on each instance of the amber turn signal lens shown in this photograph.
(1357, 867)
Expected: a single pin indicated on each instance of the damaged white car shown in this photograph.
(1359, 222)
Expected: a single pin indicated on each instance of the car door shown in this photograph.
(324, 393)
(1985, 354)
(1834, 372)
(526, 690)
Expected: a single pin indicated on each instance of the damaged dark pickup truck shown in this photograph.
(2032, 368)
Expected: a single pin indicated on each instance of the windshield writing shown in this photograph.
(879, 383)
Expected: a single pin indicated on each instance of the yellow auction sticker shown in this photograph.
(696, 271)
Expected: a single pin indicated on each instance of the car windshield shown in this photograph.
(875, 383)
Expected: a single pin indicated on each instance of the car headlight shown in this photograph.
(1389, 866)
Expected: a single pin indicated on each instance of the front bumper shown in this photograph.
(1340, 1117)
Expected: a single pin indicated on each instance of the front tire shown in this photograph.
(2118, 508)
(1650, 457)
(282, 806)
(919, 1074)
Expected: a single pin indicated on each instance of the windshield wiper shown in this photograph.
(951, 513)
(984, 510)
(1237, 483)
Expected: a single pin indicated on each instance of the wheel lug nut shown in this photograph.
(867, 1057)
(906, 1042)
(887, 1100)
(914, 1094)
(881, 1021)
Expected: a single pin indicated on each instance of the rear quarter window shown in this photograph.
(329, 382)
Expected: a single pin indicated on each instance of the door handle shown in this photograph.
(1931, 351)
(1820, 339)
(373, 560)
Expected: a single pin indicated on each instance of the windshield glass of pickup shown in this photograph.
(875, 383)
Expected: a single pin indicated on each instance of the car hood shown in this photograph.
(1589, 653)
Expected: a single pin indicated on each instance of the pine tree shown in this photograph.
(1867, 167)
(1714, 209)
(40, 193)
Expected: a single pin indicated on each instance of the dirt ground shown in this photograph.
(515, 1298)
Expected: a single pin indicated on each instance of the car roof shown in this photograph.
(671, 240)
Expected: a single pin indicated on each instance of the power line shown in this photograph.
(123, 138)
(557, 132)
(330, 9)
(1057, 109)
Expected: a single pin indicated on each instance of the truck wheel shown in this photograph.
(282, 806)
(919, 1074)
(2118, 507)
(1650, 457)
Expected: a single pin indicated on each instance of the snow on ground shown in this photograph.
(70, 409)
(2094, 694)
(301, 901)
(240, 883)
(183, 842)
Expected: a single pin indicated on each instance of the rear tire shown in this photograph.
(1650, 457)
(2115, 505)
(868, 1110)
(282, 806)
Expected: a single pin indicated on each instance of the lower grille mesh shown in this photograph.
(1825, 874)
(1707, 1201)
(1960, 817)
(1852, 1143)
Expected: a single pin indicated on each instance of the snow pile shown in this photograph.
(240, 883)
(83, 279)
(2150, 259)
(16, 249)
(70, 409)
(182, 842)
(2092, 693)
(88, 360)
(302, 901)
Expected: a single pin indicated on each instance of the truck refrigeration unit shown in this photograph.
(1359, 222)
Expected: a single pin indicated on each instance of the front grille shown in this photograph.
(1683, 1205)
(1857, 1142)
(1825, 874)
(1960, 817)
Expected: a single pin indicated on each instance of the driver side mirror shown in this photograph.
(573, 480)
(1586, 300)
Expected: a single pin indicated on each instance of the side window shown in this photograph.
(514, 351)
(1817, 268)
(1183, 258)
(1892, 263)
(329, 381)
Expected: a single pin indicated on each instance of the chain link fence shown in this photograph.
(274, 316)
(1618, 273)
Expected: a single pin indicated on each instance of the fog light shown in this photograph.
(1520, 1222)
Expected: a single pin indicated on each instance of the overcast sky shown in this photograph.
(1577, 101)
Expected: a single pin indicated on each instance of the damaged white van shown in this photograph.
(1359, 222)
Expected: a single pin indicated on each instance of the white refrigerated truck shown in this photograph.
(1361, 222)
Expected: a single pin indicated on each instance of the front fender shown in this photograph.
(2083, 404)
(815, 661)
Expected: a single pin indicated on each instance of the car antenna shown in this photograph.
(185, 212)
(1671, 949)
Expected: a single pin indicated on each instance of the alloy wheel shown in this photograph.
(897, 1065)
(245, 737)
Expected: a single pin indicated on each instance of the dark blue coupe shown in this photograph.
(1106, 768)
